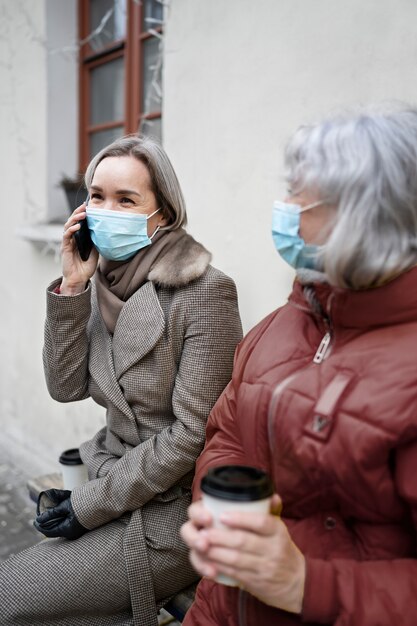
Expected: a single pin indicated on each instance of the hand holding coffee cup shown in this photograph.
(255, 549)
(232, 488)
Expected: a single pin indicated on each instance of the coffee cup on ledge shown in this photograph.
(230, 488)
(74, 472)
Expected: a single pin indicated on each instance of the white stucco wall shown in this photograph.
(38, 130)
(239, 77)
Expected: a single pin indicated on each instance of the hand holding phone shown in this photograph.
(83, 239)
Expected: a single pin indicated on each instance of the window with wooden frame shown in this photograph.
(120, 71)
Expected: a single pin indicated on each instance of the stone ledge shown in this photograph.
(40, 483)
(46, 236)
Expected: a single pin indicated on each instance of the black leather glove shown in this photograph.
(57, 518)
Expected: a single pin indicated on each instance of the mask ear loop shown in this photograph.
(311, 206)
(154, 232)
(158, 227)
(148, 217)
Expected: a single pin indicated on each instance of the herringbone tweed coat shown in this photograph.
(158, 377)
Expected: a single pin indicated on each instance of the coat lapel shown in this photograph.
(101, 363)
(140, 325)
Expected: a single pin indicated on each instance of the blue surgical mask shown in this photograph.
(118, 235)
(285, 233)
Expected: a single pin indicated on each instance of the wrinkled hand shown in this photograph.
(255, 549)
(58, 520)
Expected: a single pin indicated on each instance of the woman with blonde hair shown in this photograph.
(147, 328)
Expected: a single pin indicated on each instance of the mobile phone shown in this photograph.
(83, 239)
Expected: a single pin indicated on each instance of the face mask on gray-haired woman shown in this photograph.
(285, 233)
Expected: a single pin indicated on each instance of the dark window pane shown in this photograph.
(107, 92)
(152, 75)
(109, 18)
(102, 138)
(153, 12)
(152, 128)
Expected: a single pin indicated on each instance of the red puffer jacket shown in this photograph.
(336, 426)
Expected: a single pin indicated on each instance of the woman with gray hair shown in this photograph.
(324, 397)
(150, 338)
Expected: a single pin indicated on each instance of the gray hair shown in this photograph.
(164, 181)
(365, 164)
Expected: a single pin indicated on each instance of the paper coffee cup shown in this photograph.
(232, 488)
(74, 472)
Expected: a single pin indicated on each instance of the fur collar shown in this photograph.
(183, 263)
(308, 276)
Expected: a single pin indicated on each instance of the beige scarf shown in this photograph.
(116, 281)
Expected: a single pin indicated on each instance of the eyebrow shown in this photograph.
(119, 192)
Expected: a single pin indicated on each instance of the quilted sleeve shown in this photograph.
(222, 441)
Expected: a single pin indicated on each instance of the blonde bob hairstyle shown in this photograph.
(365, 164)
(164, 181)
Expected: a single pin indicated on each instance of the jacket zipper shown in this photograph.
(322, 351)
(323, 348)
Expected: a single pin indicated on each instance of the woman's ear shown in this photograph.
(163, 220)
